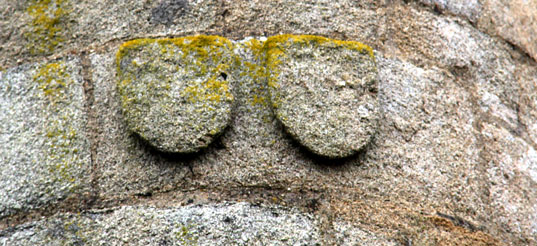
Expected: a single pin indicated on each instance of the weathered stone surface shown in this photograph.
(470, 9)
(346, 19)
(215, 224)
(346, 234)
(62, 26)
(500, 92)
(120, 156)
(483, 66)
(324, 92)
(44, 152)
(175, 93)
(168, 11)
(456, 135)
(515, 21)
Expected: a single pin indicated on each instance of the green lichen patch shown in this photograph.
(176, 93)
(47, 20)
(324, 91)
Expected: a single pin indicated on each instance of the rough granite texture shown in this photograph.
(44, 151)
(513, 20)
(453, 162)
(175, 93)
(219, 224)
(324, 92)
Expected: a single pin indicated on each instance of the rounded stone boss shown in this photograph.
(324, 92)
(175, 92)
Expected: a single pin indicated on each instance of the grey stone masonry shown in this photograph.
(44, 151)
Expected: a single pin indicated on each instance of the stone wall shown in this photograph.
(446, 153)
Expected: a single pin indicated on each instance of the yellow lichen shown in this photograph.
(257, 71)
(210, 90)
(273, 45)
(61, 154)
(47, 17)
(53, 80)
(274, 49)
(61, 157)
(74, 225)
(256, 46)
(258, 100)
(203, 47)
(185, 236)
(202, 52)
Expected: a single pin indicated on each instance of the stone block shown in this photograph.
(44, 151)
(211, 224)
(324, 92)
(176, 93)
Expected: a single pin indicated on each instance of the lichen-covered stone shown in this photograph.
(212, 224)
(457, 132)
(324, 92)
(176, 93)
(49, 17)
(44, 151)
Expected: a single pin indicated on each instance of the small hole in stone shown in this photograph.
(228, 219)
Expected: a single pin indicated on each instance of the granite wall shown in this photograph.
(440, 148)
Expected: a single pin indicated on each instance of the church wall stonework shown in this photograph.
(446, 111)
